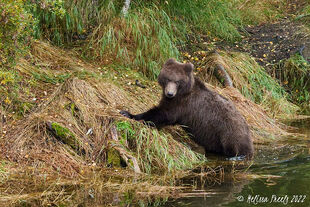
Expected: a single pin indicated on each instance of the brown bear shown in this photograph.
(209, 118)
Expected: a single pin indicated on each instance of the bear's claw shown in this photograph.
(126, 114)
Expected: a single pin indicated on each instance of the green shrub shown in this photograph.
(8, 87)
(15, 28)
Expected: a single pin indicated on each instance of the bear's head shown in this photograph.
(176, 79)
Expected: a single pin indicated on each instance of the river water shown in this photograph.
(280, 176)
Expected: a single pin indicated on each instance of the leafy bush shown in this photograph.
(8, 88)
(15, 28)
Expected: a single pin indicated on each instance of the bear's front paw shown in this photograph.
(126, 113)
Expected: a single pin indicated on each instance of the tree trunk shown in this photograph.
(125, 7)
(126, 156)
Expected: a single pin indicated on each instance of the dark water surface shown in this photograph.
(280, 176)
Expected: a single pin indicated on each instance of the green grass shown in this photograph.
(294, 75)
(215, 18)
(143, 41)
(156, 151)
(256, 12)
(4, 171)
(256, 84)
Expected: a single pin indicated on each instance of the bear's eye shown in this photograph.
(178, 82)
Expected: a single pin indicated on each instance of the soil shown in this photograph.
(273, 42)
(270, 43)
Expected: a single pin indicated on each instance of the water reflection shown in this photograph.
(281, 178)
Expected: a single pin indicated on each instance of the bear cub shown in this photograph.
(209, 118)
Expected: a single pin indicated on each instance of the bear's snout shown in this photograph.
(171, 90)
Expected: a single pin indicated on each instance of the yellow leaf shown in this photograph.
(7, 100)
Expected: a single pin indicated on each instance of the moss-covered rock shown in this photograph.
(64, 134)
(114, 158)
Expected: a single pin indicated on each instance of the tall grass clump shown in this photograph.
(304, 16)
(65, 21)
(142, 40)
(294, 75)
(216, 18)
(156, 151)
(49, 16)
(256, 84)
(256, 12)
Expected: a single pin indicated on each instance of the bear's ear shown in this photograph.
(170, 61)
(189, 67)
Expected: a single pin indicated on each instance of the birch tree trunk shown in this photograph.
(125, 7)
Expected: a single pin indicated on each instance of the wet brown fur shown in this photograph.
(212, 120)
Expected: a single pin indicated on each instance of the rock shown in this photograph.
(305, 51)
(64, 134)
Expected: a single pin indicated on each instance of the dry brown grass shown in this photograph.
(29, 140)
(253, 11)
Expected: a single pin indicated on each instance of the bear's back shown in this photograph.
(214, 121)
